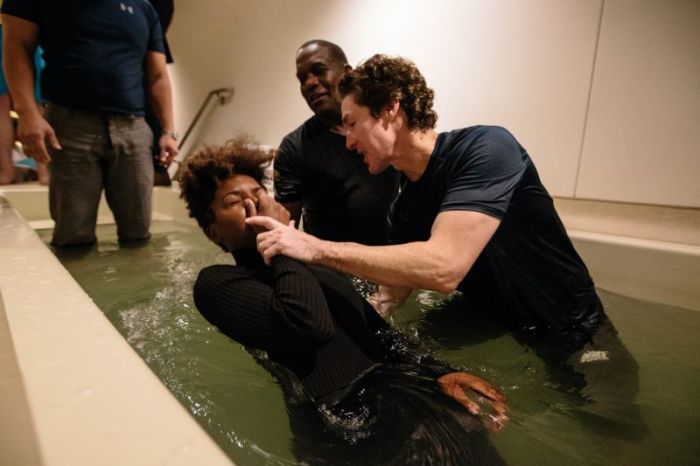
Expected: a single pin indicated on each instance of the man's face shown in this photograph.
(318, 74)
(373, 138)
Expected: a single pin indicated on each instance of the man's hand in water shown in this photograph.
(386, 298)
(458, 384)
(266, 207)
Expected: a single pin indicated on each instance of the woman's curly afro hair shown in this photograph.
(210, 166)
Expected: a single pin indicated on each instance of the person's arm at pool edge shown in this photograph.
(440, 263)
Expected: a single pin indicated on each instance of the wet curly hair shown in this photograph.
(381, 80)
(210, 166)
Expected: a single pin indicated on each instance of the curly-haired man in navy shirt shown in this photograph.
(472, 215)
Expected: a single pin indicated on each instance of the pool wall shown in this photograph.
(74, 392)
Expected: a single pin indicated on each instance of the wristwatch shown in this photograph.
(173, 134)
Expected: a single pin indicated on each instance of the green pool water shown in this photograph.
(146, 292)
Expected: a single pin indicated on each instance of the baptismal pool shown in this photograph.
(146, 292)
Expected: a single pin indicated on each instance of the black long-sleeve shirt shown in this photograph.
(312, 321)
(308, 318)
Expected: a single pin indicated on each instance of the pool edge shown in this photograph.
(89, 397)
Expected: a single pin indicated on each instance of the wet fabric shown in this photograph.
(110, 152)
(394, 416)
(597, 376)
(602, 376)
(307, 318)
(529, 274)
(357, 393)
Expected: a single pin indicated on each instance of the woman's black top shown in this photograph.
(307, 318)
(375, 391)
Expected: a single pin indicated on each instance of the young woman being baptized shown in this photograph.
(358, 391)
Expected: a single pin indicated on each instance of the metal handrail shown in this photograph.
(224, 96)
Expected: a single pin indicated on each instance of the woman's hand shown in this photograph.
(458, 384)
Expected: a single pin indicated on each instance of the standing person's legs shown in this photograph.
(129, 177)
(76, 174)
(7, 138)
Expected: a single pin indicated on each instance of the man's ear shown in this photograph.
(390, 113)
(393, 109)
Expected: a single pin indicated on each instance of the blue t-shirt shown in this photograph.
(529, 273)
(94, 50)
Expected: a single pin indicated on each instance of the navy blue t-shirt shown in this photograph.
(94, 50)
(342, 200)
(529, 273)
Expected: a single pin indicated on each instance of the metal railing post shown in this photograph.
(223, 96)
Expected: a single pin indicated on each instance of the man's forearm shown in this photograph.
(159, 90)
(411, 265)
(440, 263)
(18, 62)
(160, 93)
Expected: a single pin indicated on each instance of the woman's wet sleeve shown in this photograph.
(290, 314)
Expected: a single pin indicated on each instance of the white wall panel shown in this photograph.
(525, 65)
(642, 141)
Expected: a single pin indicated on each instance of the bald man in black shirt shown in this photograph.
(315, 172)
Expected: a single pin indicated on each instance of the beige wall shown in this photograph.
(604, 94)
(643, 135)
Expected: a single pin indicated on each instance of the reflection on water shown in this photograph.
(145, 291)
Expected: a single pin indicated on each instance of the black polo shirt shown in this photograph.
(342, 200)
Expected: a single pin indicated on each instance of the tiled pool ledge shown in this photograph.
(647, 252)
(73, 392)
(658, 223)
